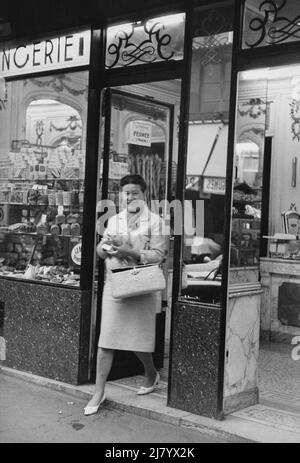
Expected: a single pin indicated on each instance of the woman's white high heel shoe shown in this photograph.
(146, 390)
(91, 410)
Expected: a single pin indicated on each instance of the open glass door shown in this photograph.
(140, 137)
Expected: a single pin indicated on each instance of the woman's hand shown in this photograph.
(125, 250)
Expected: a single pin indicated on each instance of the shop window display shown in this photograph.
(42, 162)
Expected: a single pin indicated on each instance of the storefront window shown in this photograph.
(204, 197)
(270, 22)
(42, 169)
(149, 41)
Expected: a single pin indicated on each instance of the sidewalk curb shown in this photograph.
(153, 408)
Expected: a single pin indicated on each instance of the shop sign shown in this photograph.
(214, 185)
(140, 133)
(76, 254)
(59, 52)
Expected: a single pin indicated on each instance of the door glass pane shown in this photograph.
(148, 41)
(251, 119)
(204, 197)
(270, 22)
(143, 139)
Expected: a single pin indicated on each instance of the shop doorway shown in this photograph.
(266, 221)
(139, 135)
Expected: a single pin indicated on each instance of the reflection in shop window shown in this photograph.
(42, 159)
(207, 155)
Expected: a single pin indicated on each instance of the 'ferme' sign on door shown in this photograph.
(68, 50)
(140, 133)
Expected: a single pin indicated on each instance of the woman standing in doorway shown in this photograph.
(135, 235)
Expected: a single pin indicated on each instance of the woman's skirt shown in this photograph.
(128, 324)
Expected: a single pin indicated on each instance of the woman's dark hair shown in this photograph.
(134, 179)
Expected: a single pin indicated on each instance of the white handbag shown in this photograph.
(136, 281)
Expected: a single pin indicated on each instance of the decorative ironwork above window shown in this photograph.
(270, 22)
(142, 42)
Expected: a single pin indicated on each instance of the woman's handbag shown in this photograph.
(136, 281)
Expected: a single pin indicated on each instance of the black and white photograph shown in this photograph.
(150, 224)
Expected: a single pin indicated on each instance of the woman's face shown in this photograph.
(132, 197)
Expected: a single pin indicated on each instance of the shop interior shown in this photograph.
(266, 201)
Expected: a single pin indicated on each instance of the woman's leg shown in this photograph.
(104, 363)
(150, 370)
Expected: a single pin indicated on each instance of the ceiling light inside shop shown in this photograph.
(271, 73)
(165, 20)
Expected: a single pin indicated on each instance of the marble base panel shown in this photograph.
(195, 373)
(46, 330)
(241, 400)
(275, 272)
(242, 349)
(243, 275)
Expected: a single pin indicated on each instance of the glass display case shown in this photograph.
(42, 169)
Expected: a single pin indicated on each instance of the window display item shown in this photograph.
(291, 220)
(60, 219)
(43, 199)
(51, 199)
(73, 218)
(75, 229)
(59, 198)
(284, 246)
(66, 229)
(67, 198)
(42, 229)
(55, 230)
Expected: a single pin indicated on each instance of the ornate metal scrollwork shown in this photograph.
(211, 36)
(273, 28)
(125, 52)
